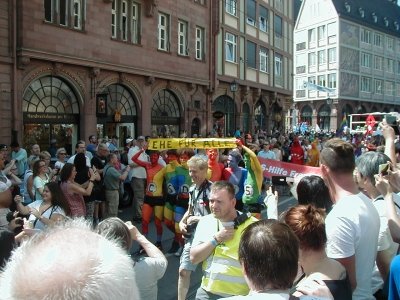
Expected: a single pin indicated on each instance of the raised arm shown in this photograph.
(383, 186)
(137, 161)
(389, 135)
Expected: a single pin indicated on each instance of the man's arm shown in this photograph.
(200, 252)
(383, 259)
(350, 265)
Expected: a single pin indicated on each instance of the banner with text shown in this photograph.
(199, 143)
(278, 168)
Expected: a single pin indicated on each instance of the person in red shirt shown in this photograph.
(297, 152)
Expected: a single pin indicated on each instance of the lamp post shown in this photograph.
(329, 101)
(233, 87)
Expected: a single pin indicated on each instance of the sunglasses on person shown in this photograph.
(62, 153)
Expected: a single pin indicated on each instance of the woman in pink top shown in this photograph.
(74, 192)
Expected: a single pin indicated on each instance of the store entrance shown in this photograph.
(41, 134)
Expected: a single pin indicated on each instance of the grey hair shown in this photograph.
(368, 164)
(69, 261)
(198, 161)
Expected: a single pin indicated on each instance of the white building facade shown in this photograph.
(352, 49)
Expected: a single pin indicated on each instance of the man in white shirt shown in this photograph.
(352, 226)
(266, 152)
(137, 176)
(80, 148)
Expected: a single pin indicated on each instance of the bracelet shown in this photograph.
(214, 241)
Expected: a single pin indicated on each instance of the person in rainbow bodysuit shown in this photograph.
(235, 175)
(184, 181)
(253, 182)
(215, 168)
(171, 188)
(154, 197)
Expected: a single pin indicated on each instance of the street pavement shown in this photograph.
(168, 285)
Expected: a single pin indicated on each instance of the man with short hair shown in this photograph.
(21, 157)
(80, 147)
(137, 175)
(198, 206)
(266, 152)
(35, 151)
(95, 268)
(91, 147)
(216, 243)
(112, 178)
(352, 226)
(269, 254)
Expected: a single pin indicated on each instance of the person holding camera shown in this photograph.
(216, 243)
(198, 207)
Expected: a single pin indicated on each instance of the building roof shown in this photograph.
(387, 14)
(297, 5)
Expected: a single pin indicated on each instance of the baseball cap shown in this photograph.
(127, 141)
(140, 137)
(3, 147)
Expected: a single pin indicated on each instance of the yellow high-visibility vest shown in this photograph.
(222, 273)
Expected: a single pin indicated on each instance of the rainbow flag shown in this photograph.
(343, 123)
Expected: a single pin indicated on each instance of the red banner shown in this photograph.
(278, 168)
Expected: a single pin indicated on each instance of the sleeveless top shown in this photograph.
(75, 201)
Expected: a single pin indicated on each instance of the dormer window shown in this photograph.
(374, 17)
(396, 25)
(362, 13)
(347, 6)
(386, 21)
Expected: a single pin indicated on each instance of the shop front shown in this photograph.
(50, 112)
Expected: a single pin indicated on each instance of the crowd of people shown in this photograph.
(337, 243)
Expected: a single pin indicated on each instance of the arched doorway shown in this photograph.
(306, 115)
(165, 114)
(347, 110)
(277, 118)
(260, 114)
(121, 114)
(224, 126)
(195, 128)
(324, 117)
(246, 117)
(50, 111)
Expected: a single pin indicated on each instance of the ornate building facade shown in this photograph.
(352, 48)
(72, 68)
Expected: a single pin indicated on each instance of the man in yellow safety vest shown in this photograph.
(216, 244)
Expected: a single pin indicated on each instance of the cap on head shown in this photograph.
(140, 138)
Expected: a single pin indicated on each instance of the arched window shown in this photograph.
(225, 126)
(260, 113)
(165, 114)
(324, 117)
(306, 115)
(50, 111)
(195, 128)
(246, 117)
(120, 100)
